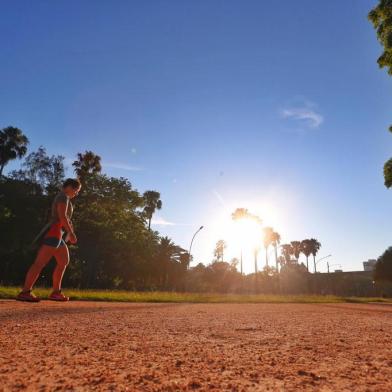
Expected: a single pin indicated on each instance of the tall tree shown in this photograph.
(171, 261)
(306, 250)
(166, 251)
(185, 260)
(287, 252)
(219, 250)
(275, 244)
(383, 268)
(267, 241)
(42, 169)
(152, 202)
(388, 173)
(296, 245)
(87, 163)
(114, 243)
(315, 246)
(381, 18)
(238, 214)
(13, 145)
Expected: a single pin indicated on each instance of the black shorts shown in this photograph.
(53, 241)
(54, 236)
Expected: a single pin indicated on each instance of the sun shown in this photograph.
(244, 236)
(248, 234)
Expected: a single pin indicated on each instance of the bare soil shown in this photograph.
(88, 346)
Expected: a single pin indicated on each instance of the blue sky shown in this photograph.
(278, 107)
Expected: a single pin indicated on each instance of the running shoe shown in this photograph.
(58, 296)
(27, 296)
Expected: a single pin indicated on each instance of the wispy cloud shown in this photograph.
(305, 114)
(122, 166)
(159, 221)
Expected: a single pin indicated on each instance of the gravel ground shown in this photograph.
(95, 346)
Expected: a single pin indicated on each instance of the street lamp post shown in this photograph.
(190, 246)
(323, 258)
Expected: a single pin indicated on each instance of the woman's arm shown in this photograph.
(65, 221)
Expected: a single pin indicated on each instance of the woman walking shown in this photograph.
(53, 244)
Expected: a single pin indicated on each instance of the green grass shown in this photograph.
(132, 296)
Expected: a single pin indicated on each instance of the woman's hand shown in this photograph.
(71, 238)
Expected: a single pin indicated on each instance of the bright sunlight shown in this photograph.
(247, 233)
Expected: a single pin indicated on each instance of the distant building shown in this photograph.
(369, 265)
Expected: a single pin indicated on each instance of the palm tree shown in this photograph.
(287, 252)
(306, 250)
(315, 246)
(275, 243)
(268, 238)
(281, 260)
(87, 164)
(152, 202)
(185, 260)
(219, 250)
(296, 249)
(240, 213)
(13, 144)
(166, 254)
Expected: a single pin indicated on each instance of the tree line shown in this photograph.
(117, 247)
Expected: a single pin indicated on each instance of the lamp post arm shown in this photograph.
(323, 258)
(190, 246)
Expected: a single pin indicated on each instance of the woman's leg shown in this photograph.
(45, 253)
(62, 259)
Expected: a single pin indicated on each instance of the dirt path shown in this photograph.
(87, 346)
